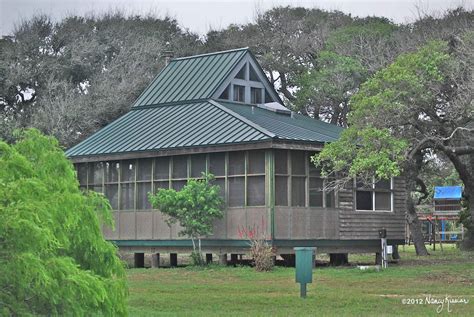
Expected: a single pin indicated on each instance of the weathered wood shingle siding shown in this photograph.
(365, 224)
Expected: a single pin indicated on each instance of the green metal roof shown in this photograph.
(294, 127)
(190, 78)
(177, 111)
(167, 127)
(204, 123)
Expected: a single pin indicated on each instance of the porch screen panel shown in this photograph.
(198, 165)
(256, 190)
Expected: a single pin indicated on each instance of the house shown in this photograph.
(218, 112)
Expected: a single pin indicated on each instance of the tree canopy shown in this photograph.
(53, 257)
(419, 106)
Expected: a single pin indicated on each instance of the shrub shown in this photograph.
(261, 251)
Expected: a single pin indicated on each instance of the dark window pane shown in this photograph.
(178, 185)
(364, 200)
(298, 192)
(281, 190)
(253, 74)
(96, 172)
(315, 192)
(298, 163)
(198, 165)
(111, 192)
(241, 73)
(330, 199)
(225, 94)
(144, 169)
(236, 163)
(112, 171)
(239, 93)
(221, 183)
(383, 201)
(313, 170)
(256, 162)
(383, 184)
(268, 98)
(96, 188)
(281, 162)
(255, 95)
(180, 166)
(236, 191)
(82, 173)
(217, 164)
(162, 168)
(256, 191)
(128, 171)
(142, 195)
(127, 196)
(161, 185)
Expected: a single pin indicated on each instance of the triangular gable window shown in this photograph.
(241, 73)
(225, 93)
(253, 74)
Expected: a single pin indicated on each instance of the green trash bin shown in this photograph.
(305, 257)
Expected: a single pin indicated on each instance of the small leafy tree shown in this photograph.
(53, 257)
(195, 207)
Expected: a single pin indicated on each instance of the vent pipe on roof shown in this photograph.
(253, 109)
(167, 53)
(292, 114)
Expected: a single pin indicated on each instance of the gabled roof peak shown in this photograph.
(210, 54)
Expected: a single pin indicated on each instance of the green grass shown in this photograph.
(346, 291)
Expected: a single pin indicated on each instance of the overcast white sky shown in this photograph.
(201, 15)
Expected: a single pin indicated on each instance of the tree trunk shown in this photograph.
(415, 228)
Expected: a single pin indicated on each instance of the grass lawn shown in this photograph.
(345, 291)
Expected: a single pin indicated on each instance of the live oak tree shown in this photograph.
(195, 207)
(53, 257)
(325, 91)
(417, 107)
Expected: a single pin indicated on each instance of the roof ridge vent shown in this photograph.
(275, 107)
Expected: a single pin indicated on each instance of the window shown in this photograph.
(180, 166)
(142, 195)
(253, 74)
(236, 191)
(162, 168)
(144, 169)
(239, 93)
(236, 163)
(256, 162)
(268, 98)
(241, 73)
(256, 190)
(225, 94)
(374, 197)
(319, 195)
(281, 177)
(198, 165)
(298, 178)
(217, 164)
(255, 95)
(82, 173)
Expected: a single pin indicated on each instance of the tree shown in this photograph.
(325, 90)
(424, 99)
(195, 207)
(70, 78)
(53, 257)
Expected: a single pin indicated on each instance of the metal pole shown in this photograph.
(303, 290)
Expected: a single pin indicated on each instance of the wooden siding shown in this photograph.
(365, 224)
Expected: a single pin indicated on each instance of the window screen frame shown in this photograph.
(373, 190)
